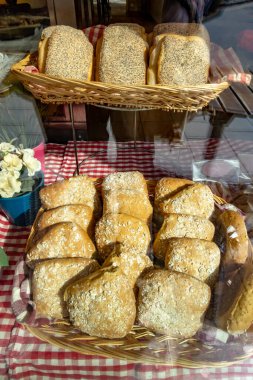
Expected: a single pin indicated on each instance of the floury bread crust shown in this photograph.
(61, 240)
(132, 180)
(179, 225)
(113, 229)
(195, 257)
(102, 304)
(172, 303)
(79, 214)
(74, 190)
(121, 57)
(51, 277)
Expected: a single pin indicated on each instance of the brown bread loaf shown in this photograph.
(49, 280)
(179, 225)
(64, 240)
(171, 303)
(102, 304)
(195, 257)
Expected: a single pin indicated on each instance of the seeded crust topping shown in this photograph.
(183, 61)
(68, 29)
(184, 29)
(172, 303)
(64, 239)
(121, 228)
(69, 55)
(50, 279)
(74, 190)
(195, 199)
(195, 257)
(79, 214)
(102, 304)
(123, 57)
(179, 225)
(125, 181)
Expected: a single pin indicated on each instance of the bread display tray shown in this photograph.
(210, 347)
(50, 89)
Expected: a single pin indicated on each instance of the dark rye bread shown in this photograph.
(171, 303)
(121, 57)
(102, 304)
(51, 277)
(179, 225)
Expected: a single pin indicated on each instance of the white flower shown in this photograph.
(11, 162)
(27, 152)
(9, 184)
(7, 147)
(32, 164)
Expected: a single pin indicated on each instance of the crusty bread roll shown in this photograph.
(121, 57)
(64, 239)
(102, 304)
(166, 187)
(179, 225)
(236, 238)
(184, 29)
(79, 214)
(196, 199)
(171, 303)
(75, 190)
(49, 280)
(67, 55)
(195, 257)
(131, 263)
(128, 202)
(131, 180)
(111, 229)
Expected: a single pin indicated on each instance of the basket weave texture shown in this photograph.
(50, 89)
(209, 348)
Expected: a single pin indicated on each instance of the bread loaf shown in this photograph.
(49, 280)
(74, 190)
(64, 239)
(130, 262)
(234, 231)
(102, 304)
(166, 187)
(79, 214)
(179, 225)
(196, 199)
(67, 54)
(171, 303)
(121, 57)
(112, 229)
(184, 29)
(195, 257)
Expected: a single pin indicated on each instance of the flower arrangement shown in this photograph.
(17, 170)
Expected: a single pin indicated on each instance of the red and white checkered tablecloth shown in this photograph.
(23, 356)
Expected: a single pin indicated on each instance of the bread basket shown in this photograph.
(209, 348)
(50, 89)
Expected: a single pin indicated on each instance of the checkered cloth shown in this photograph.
(23, 356)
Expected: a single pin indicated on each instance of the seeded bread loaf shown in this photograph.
(112, 229)
(66, 54)
(184, 29)
(131, 180)
(79, 214)
(179, 225)
(51, 277)
(196, 199)
(130, 262)
(166, 187)
(132, 26)
(172, 303)
(121, 57)
(64, 239)
(195, 257)
(74, 190)
(233, 231)
(102, 304)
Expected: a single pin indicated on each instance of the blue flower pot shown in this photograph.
(22, 210)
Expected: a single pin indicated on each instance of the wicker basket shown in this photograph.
(142, 345)
(50, 89)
